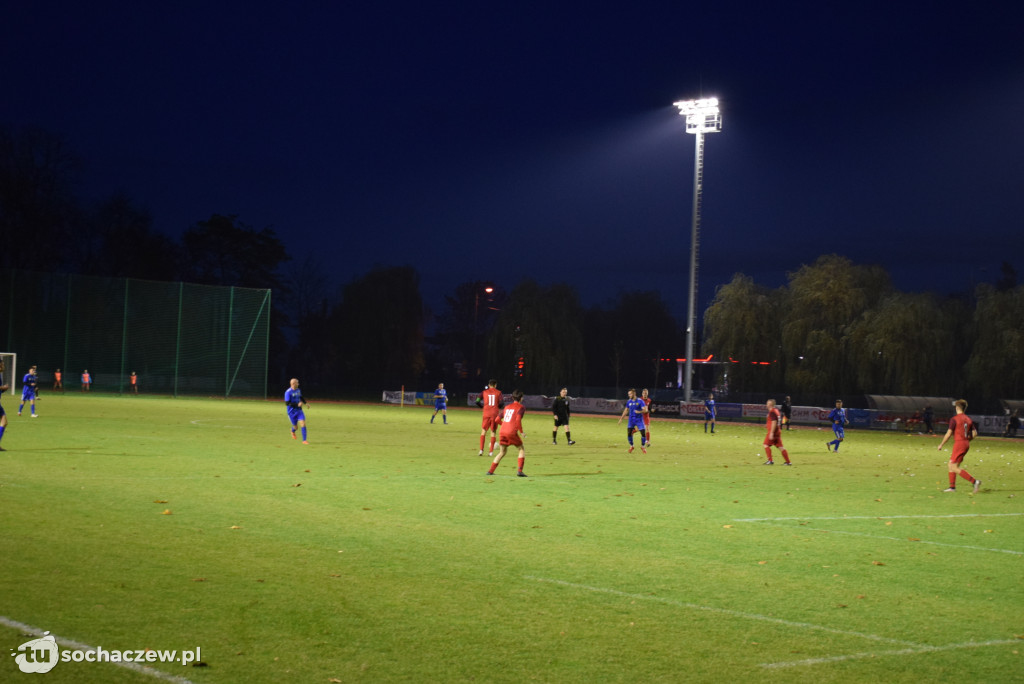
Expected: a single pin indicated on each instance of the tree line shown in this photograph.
(841, 328)
(836, 328)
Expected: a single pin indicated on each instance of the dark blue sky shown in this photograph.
(485, 140)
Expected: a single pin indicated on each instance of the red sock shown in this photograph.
(966, 475)
(481, 442)
(492, 442)
(952, 479)
(785, 455)
(768, 451)
(520, 462)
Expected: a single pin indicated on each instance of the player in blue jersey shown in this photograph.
(710, 412)
(839, 422)
(294, 401)
(3, 416)
(440, 403)
(29, 386)
(635, 411)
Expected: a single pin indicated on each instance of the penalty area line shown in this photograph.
(899, 539)
(79, 646)
(879, 654)
(726, 611)
(882, 517)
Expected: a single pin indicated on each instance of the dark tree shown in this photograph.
(223, 251)
(39, 215)
(118, 241)
(537, 342)
(378, 329)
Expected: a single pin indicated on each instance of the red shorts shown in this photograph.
(491, 423)
(960, 450)
(777, 442)
(510, 440)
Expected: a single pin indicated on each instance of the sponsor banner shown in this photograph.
(665, 408)
(506, 398)
(395, 397)
(723, 410)
(576, 404)
(987, 425)
(594, 405)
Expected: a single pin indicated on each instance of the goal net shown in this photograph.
(10, 370)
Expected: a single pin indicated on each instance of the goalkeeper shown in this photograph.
(294, 400)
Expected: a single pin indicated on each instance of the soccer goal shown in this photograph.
(10, 371)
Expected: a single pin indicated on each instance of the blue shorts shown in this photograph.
(838, 429)
(295, 415)
(28, 393)
(440, 405)
(637, 424)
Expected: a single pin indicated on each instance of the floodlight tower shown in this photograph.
(702, 116)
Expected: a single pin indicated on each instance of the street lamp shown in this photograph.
(702, 116)
(488, 289)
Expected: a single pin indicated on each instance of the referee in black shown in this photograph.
(560, 407)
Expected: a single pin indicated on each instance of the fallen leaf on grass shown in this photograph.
(167, 511)
(297, 485)
(877, 563)
(888, 522)
(198, 579)
(727, 526)
(913, 539)
(159, 501)
(762, 562)
(236, 527)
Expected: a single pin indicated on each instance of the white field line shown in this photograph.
(882, 517)
(877, 654)
(899, 539)
(774, 523)
(79, 646)
(726, 611)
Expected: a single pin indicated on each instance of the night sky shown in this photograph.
(498, 141)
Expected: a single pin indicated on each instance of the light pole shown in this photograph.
(476, 315)
(702, 116)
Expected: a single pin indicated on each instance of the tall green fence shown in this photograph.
(179, 338)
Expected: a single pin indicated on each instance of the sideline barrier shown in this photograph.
(864, 419)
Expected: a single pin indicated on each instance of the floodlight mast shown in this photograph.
(702, 116)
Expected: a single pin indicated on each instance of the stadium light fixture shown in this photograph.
(702, 116)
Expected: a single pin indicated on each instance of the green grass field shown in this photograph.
(381, 552)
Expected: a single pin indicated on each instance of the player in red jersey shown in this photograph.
(490, 401)
(774, 437)
(962, 429)
(511, 433)
(647, 416)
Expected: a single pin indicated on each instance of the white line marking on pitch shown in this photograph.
(904, 651)
(726, 611)
(900, 539)
(79, 646)
(773, 522)
(884, 517)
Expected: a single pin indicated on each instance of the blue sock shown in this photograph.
(21, 407)
(2, 431)
(445, 417)
(303, 434)
(837, 445)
